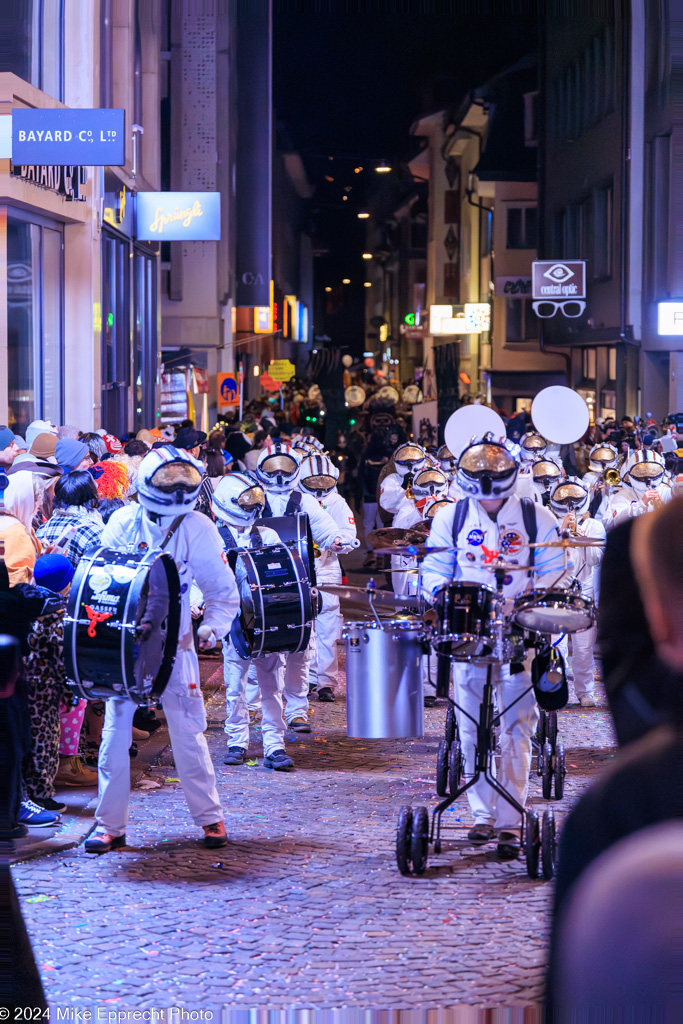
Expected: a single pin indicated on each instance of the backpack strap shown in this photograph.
(267, 510)
(531, 526)
(461, 509)
(255, 540)
(294, 504)
(229, 541)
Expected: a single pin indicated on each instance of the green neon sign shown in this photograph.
(409, 319)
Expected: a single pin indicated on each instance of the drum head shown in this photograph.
(560, 414)
(555, 613)
(471, 421)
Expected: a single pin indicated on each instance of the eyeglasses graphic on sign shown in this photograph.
(178, 216)
(558, 285)
(572, 308)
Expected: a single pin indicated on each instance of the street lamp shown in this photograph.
(346, 280)
(367, 255)
(367, 284)
(363, 215)
(383, 168)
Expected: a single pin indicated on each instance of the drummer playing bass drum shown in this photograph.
(491, 523)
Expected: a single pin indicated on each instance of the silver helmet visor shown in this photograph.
(252, 499)
(492, 460)
(319, 483)
(568, 494)
(277, 465)
(646, 471)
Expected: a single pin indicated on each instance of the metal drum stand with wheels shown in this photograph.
(415, 833)
(550, 759)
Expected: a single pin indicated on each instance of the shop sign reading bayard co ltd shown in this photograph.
(67, 136)
(178, 216)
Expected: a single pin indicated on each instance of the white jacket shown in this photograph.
(405, 582)
(197, 549)
(481, 539)
(628, 504)
(587, 560)
(391, 493)
(327, 567)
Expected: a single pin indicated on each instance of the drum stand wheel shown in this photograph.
(559, 771)
(404, 831)
(442, 768)
(532, 843)
(455, 767)
(540, 844)
(548, 844)
(451, 725)
(547, 771)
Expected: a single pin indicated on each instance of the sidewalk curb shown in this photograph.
(76, 827)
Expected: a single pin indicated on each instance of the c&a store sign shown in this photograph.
(178, 216)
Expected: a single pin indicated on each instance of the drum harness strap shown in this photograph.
(293, 506)
(230, 542)
(528, 516)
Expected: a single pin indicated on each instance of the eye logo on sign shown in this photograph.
(475, 537)
(559, 273)
(559, 285)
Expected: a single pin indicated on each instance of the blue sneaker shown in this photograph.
(278, 761)
(35, 817)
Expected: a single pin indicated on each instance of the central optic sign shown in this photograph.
(84, 137)
(558, 279)
(178, 216)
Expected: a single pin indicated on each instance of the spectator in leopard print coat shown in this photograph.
(51, 703)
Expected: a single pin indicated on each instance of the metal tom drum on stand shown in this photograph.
(554, 611)
(384, 692)
(464, 611)
(112, 591)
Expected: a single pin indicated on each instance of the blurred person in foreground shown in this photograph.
(643, 787)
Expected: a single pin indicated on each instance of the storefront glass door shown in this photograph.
(35, 294)
(115, 332)
(145, 339)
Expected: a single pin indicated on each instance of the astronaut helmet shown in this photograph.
(238, 499)
(532, 446)
(487, 470)
(645, 470)
(278, 467)
(168, 481)
(434, 505)
(603, 456)
(448, 461)
(569, 495)
(319, 475)
(409, 458)
(430, 483)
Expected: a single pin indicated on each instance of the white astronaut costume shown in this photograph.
(603, 456)
(279, 483)
(646, 472)
(488, 472)
(409, 459)
(532, 447)
(572, 496)
(237, 502)
(197, 550)
(318, 479)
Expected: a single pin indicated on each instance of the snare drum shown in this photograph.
(464, 611)
(276, 613)
(554, 611)
(110, 594)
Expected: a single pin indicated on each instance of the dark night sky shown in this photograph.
(351, 86)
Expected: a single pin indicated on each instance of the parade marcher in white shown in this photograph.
(532, 447)
(449, 466)
(318, 478)
(603, 481)
(278, 471)
(490, 523)
(168, 485)
(569, 500)
(237, 502)
(645, 473)
(545, 473)
(409, 459)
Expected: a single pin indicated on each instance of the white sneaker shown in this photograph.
(586, 701)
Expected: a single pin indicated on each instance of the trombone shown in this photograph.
(611, 477)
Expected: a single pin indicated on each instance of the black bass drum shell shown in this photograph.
(295, 530)
(110, 593)
(276, 613)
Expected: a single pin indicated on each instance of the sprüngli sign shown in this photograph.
(178, 216)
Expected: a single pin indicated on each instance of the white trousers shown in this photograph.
(582, 660)
(328, 626)
(186, 720)
(296, 679)
(269, 676)
(517, 727)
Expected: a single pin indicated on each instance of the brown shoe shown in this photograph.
(72, 772)
(140, 734)
(214, 835)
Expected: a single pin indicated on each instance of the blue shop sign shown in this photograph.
(85, 137)
(178, 216)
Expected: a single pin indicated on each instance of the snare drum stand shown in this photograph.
(414, 834)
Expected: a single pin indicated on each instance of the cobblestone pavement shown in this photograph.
(305, 907)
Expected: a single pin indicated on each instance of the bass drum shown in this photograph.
(110, 594)
(295, 531)
(276, 613)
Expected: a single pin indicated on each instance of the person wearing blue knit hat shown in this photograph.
(72, 454)
(8, 447)
(54, 572)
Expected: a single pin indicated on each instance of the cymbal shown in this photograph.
(411, 550)
(386, 536)
(570, 542)
(384, 598)
(419, 532)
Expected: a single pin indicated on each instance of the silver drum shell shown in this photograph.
(384, 691)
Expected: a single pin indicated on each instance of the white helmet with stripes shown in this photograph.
(168, 481)
(319, 475)
(238, 499)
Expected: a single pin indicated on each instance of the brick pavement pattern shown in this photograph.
(305, 907)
